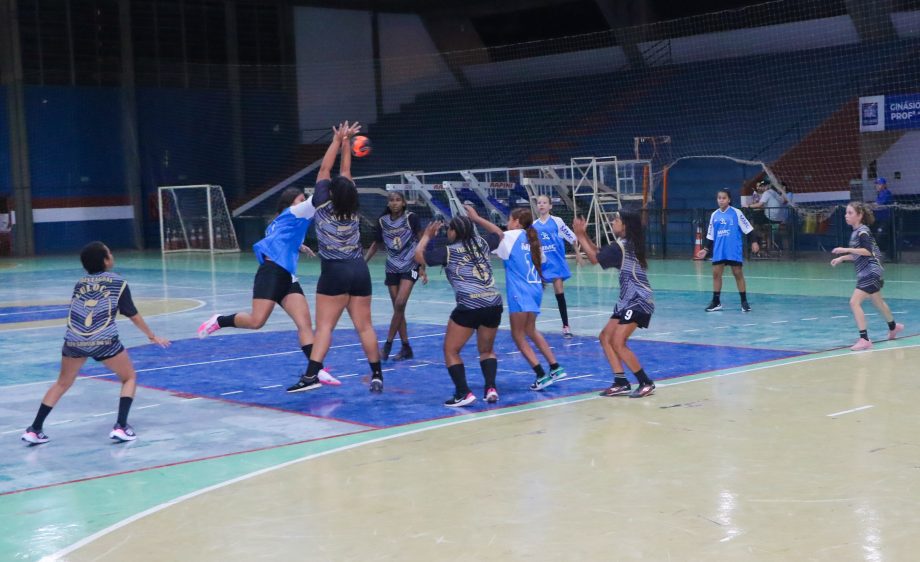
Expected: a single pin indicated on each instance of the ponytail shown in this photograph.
(525, 218)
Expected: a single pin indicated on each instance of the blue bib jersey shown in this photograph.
(522, 281)
(284, 236)
(553, 234)
(726, 230)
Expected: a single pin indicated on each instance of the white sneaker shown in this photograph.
(326, 378)
(123, 433)
(34, 437)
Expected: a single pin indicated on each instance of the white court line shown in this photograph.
(150, 406)
(60, 422)
(270, 386)
(780, 322)
(746, 325)
(573, 378)
(420, 365)
(720, 327)
(573, 344)
(871, 313)
(344, 376)
(187, 400)
(511, 352)
(693, 330)
(127, 521)
(662, 334)
(807, 319)
(387, 370)
(200, 304)
(839, 316)
(103, 414)
(231, 392)
(850, 411)
(199, 363)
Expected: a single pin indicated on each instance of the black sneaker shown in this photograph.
(385, 352)
(714, 306)
(376, 384)
(745, 307)
(405, 352)
(616, 390)
(643, 390)
(305, 383)
(455, 402)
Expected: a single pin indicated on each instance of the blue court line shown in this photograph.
(414, 390)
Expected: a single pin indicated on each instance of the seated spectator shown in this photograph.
(773, 211)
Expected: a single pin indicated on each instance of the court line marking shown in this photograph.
(151, 406)
(231, 392)
(851, 410)
(200, 304)
(157, 508)
(270, 386)
(131, 519)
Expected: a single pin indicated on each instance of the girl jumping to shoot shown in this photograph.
(276, 279)
(398, 230)
(865, 254)
(465, 259)
(635, 305)
(520, 250)
(553, 236)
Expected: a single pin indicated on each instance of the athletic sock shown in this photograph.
(563, 308)
(43, 412)
(743, 295)
(489, 371)
(307, 350)
(227, 321)
(124, 406)
(313, 368)
(619, 379)
(538, 369)
(642, 377)
(892, 325)
(717, 297)
(553, 366)
(458, 375)
(864, 334)
(376, 371)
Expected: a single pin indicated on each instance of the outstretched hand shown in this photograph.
(432, 229)
(162, 342)
(471, 212)
(840, 250)
(579, 227)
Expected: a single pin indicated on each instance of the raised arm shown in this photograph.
(347, 133)
(581, 233)
(493, 228)
(430, 231)
(325, 168)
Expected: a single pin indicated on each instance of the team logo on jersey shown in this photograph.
(481, 273)
(396, 243)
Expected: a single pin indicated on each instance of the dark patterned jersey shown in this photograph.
(399, 237)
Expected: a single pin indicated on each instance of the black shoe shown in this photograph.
(714, 306)
(385, 352)
(377, 384)
(745, 307)
(305, 383)
(643, 390)
(616, 390)
(405, 352)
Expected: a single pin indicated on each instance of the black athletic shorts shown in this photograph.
(273, 283)
(870, 284)
(396, 278)
(344, 277)
(732, 263)
(100, 352)
(632, 316)
(489, 317)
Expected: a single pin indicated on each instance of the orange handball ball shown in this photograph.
(361, 146)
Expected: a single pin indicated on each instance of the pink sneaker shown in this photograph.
(208, 327)
(893, 334)
(326, 378)
(861, 345)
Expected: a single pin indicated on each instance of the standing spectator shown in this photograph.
(883, 198)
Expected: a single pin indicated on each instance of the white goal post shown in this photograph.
(195, 218)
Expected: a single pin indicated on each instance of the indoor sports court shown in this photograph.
(776, 139)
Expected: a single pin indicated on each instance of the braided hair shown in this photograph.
(525, 218)
(466, 235)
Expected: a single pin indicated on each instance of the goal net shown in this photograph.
(195, 218)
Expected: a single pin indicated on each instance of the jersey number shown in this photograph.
(627, 315)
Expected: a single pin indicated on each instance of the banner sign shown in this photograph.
(889, 113)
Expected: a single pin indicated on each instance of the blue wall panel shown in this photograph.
(75, 141)
(6, 182)
(60, 237)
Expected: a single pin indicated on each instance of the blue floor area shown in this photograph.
(236, 368)
(13, 314)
